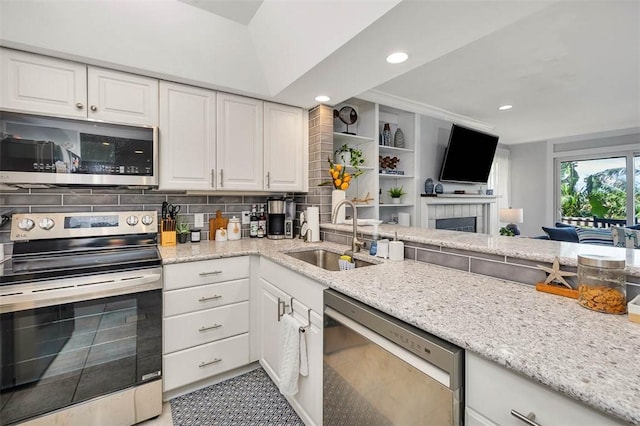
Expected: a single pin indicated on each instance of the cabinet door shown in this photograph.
(187, 137)
(285, 148)
(309, 396)
(239, 144)
(42, 85)
(119, 97)
(270, 331)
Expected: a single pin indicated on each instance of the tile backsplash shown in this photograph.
(96, 199)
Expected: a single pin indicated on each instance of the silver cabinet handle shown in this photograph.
(215, 361)
(93, 108)
(211, 327)
(213, 178)
(221, 178)
(282, 308)
(204, 274)
(528, 419)
(205, 299)
(268, 179)
(79, 105)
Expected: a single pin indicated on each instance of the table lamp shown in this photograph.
(512, 217)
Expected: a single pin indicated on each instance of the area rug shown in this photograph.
(249, 399)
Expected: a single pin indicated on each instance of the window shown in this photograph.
(600, 191)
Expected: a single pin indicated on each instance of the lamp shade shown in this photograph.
(511, 215)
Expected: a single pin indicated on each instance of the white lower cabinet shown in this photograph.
(280, 290)
(492, 392)
(205, 319)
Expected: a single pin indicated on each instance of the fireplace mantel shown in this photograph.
(461, 205)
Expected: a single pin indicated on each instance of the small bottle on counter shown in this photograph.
(601, 284)
(262, 223)
(375, 237)
(253, 221)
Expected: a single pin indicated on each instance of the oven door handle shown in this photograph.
(48, 293)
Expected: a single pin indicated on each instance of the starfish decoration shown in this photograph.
(555, 274)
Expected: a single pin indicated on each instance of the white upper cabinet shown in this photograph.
(122, 98)
(285, 148)
(187, 137)
(42, 85)
(239, 143)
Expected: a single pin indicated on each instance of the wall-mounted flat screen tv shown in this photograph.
(469, 156)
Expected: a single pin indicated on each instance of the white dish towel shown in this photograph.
(291, 343)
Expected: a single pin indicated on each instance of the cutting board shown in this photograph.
(217, 223)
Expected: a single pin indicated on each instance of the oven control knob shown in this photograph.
(132, 220)
(26, 224)
(147, 219)
(46, 223)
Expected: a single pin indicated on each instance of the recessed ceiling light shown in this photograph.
(397, 57)
(505, 107)
(323, 98)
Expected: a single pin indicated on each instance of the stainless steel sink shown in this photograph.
(324, 259)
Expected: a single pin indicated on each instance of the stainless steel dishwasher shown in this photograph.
(381, 371)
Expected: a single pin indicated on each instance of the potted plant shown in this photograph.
(348, 156)
(182, 230)
(396, 193)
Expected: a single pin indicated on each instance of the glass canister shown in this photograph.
(234, 229)
(601, 284)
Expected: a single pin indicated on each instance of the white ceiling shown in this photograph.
(569, 67)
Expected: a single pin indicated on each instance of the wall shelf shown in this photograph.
(342, 138)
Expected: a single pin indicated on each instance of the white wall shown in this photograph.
(529, 185)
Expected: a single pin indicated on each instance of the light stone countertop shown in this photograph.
(520, 247)
(586, 355)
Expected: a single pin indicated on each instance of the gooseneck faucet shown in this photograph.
(355, 243)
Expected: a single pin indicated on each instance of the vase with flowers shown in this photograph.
(341, 179)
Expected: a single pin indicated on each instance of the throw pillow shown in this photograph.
(563, 225)
(562, 234)
(626, 237)
(598, 236)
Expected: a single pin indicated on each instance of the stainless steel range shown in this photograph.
(81, 319)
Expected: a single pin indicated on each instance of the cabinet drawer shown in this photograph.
(207, 296)
(182, 275)
(493, 391)
(196, 328)
(191, 365)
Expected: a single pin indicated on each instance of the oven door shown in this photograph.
(58, 355)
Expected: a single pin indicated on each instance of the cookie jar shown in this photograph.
(601, 284)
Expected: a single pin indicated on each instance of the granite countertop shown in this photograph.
(520, 247)
(586, 355)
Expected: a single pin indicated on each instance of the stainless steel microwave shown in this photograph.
(55, 151)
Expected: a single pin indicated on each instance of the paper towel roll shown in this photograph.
(313, 221)
(396, 250)
(404, 219)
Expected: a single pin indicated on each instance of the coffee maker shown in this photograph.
(275, 218)
(289, 217)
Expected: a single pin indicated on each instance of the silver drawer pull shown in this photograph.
(214, 297)
(211, 327)
(215, 361)
(204, 274)
(528, 419)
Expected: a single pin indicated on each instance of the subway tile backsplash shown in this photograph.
(97, 199)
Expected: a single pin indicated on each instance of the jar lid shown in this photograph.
(600, 261)
(234, 220)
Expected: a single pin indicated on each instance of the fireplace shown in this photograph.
(479, 209)
(465, 224)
